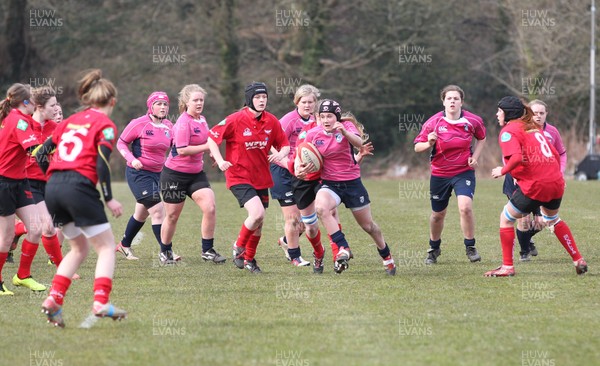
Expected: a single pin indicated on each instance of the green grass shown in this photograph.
(448, 314)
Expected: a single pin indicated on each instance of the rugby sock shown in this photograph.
(243, 236)
(207, 244)
(318, 249)
(3, 257)
(294, 253)
(165, 247)
(469, 242)
(20, 228)
(133, 227)
(334, 249)
(523, 237)
(102, 288)
(52, 247)
(385, 252)
(340, 239)
(563, 233)
(27, 254)
(156, 230)
(60, 285)
(251, 247)
(507, 240)
(435, 244)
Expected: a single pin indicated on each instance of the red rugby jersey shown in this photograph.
(42, 133)
(16, 136)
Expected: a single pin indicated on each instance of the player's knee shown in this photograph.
(465, 210)
(437, 217)
(551, 221)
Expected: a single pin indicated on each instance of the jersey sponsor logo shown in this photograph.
(196, 130)
(109, 133)
(168, 134)
(298, 129)
(73, 126)
(31, 138)
(442, 129)
(22, 125)
(268, 131)
(319, 142)
(338, 137)
(250, 145)
(247, 132)
(149, 133)
(214, 133)
(466, 127)
(222, 123)
(302, 136)
(505, 137)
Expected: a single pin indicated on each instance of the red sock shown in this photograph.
(20, 228)
(319, 251)
(52, 246)
(243, 237)
(340, 226)
(507, 240)
(251, 247)
(27, 254)
(60, 285)
(334, 247)
(102, 288)
(563, 233)
(2, 261)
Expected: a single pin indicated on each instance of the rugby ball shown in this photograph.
(308, 153)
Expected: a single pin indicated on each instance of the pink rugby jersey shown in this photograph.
(553, 136)
(451, 152)
(292, 125)
(149, 142)
(188, 131)
(338, 156)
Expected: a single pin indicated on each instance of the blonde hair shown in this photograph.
(186, 93)
(304, 91)
(348, 116)
(449, 88)
(15, 95)
(538, 102)
(41, 95)
(94, 90)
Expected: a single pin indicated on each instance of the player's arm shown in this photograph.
(216, 154)
(103, 170)
(513, 161)
(365, 149)
(41, 153)
(478, 148)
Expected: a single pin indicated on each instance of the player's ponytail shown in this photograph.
(94, 90)
(15, 95)
(528, 122)
(348, 116)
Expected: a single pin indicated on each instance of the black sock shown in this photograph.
(156, 230)
(339, 238)
(207, 244)
(385, 252)
(294, 253)
(165, 247)
(435, 244)
(133, 227)
(523, 237)
(469, 242)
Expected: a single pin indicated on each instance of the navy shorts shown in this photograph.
(304, 191)
(175, 186)
(71, 197)
(282, 188)
(38, 189)
(245, 192)
(440, 189)
(351, 192)
(144, 185)
(509, 187)
(14, 194)
(527, 205)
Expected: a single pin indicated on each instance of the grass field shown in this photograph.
(198, 313)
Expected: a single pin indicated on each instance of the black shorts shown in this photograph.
(351, 192)
(175, 186)
(304, 191)
(144, 185)
(509, 187)
(14, 194)
(38, 189)
(282, 188)
(245, 192)
(71, 197)
(440, 189)
(527, 205)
